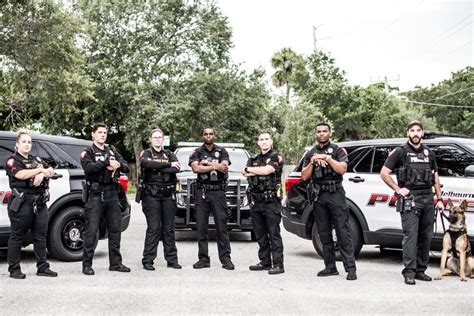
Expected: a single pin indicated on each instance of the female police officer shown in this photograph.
(28, 176)
(158, 169)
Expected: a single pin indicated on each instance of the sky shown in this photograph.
(410, 42)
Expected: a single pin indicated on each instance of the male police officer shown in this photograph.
(102, 165)
(325, 164)
(264, 175)
(211, 163)
(417, 170)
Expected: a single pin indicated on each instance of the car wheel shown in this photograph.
(66, 234)
(355, 234)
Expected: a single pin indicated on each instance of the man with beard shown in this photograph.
(325, 165)
(211, 163)
(417, 171)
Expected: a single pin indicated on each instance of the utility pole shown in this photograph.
(385, 82)
(315, 39)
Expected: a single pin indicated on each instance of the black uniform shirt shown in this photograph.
(271, 158)
(94, 161)
(155, 163)
(17, 163)
(337, 153)
(217, 154)
(420, 155)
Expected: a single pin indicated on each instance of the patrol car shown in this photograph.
(66, 209)
(373, 218)
(237, 202)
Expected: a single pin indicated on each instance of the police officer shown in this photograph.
(29, 178)
(417, 171)
(102, 165)
(264, 175)
(325, 165)
(159, 167)
(211, 163)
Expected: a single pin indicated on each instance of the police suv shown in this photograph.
(66, 209)
(237, 202)
(373, 218)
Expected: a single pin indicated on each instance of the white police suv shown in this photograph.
(66, 209)
(373, 219)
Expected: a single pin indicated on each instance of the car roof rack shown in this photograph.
(197, 144)
(431, 135)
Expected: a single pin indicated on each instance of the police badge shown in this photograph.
(330, 150)
(425, 151)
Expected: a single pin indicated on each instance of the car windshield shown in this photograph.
(238, 158)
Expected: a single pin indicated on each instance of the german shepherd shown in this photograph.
(455, 239)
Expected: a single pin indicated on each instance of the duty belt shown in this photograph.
(331, 187)
(267, 196)
(211, 187)
(155, 189)
(99, 187)
(421, 191)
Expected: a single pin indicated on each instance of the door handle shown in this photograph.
(357, 179)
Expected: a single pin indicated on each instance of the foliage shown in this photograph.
(458, 90)
(42, 70)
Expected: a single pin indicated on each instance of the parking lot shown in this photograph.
(378, 290)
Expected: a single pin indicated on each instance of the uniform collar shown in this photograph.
(94, 145)
(324, 147)
(156, 151)
(214, 147)
(415, 149)
(267, 153)
(23, 157)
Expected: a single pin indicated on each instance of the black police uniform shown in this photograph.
(32, 214)
(158, 203)
(103, 201)
(210, 197)
(266, 209)
(414, 168)
(331, 208)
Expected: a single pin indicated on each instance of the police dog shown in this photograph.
(456, 240)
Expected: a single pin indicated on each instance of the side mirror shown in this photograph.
(469, 171)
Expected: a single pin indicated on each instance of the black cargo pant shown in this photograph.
(417, 225)
(102, 204)
(159, 213)
(331, 209)
(23, 221)
(266, 218)
(214, 202)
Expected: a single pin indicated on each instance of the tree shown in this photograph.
(136, 49)
(42, 70)
(290, 71)
(229, 100)
(455, 91)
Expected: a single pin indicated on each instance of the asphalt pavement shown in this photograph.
(379, 289)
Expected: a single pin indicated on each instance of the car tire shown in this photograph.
(66, 234)
(356, 235)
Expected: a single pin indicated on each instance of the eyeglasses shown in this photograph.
(157, 137)
(208, 134)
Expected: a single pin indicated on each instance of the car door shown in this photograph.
(7, 148)
(367, 190)
(452, 161)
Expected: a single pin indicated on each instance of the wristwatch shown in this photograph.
(246, 170)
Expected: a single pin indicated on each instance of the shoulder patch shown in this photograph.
(83, 154)
(11, 162)
(344, 150)
(280, 159)
(141, 154)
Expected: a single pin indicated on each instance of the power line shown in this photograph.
(446, 95)
(440, 105)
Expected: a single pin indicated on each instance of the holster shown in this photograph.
(313, 192)
(85, 192)
(404, 204)
(18, 199)
(139, 194)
